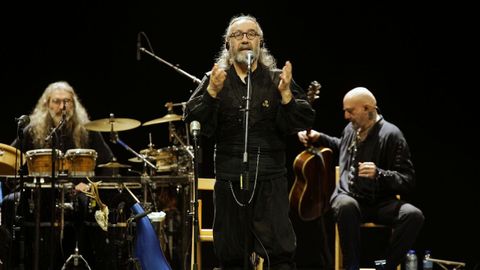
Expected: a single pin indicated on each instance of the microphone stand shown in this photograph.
(194, 202)
(245, 176)
(19, 219)
(53, 137)
(193, 78)
(116, 139)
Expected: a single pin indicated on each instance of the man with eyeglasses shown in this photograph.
(250, 196)
(59, 102)
(375, 166)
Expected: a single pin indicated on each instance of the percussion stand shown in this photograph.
(76, 257)
(53, 138)
(145, 180)
(19, 219)
(174, 134)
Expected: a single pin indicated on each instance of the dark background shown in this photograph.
(413, 57)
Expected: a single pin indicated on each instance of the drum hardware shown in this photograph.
(169, 118)
(113, 125)
(76, 256)
(172, 240)
(62, 213)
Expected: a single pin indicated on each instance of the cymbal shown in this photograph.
(109, 124)
(138, 160)
(167, 118)
(114, 164)
(135, 159)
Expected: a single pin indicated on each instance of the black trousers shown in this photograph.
(405, 219)
(270, 233)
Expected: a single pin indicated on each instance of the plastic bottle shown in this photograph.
(427, 265)
(411, 260)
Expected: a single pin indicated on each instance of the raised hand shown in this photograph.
(217, 78)
(284, 84)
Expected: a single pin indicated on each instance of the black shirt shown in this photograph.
(269, 122)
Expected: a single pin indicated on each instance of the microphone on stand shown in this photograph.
(139, 216)
(23, 121)
(64, 110)
(139, 45)
(195, 128)
(195, 131)
(250, 57)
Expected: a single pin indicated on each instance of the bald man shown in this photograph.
(375, 166)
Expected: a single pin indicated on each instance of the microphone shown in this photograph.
(23, 120)
(139, 45)
(195, 128)
(139, 216)
(250, 57)
(64, 109)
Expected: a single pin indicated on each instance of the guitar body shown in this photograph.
(314, 183)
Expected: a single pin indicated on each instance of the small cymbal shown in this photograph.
(138, 160)
(167, 118)
(149, 152)
(109, 124)
(135, 159)
(114, 164)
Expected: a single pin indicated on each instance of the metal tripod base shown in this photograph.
(75, 257)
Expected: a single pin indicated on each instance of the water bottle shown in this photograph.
(411, 260)
(427, 265)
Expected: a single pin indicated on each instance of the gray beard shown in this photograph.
(241, 58)
(57, 118)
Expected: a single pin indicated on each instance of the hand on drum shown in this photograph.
(82, 187)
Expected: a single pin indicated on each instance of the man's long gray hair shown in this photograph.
(41, 121)
(225, 58)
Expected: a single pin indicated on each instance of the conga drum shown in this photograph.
(9, 159)
(80, 162)
(39, 162)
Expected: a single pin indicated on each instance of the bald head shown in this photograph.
(360, 108)
(361, 96)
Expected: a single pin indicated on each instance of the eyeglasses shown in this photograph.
(239, 35)
(59, 101)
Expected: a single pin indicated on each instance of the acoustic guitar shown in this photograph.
(314, 178)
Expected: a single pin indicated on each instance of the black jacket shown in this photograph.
(269, 122)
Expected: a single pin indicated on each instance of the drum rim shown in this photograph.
(42, 151)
